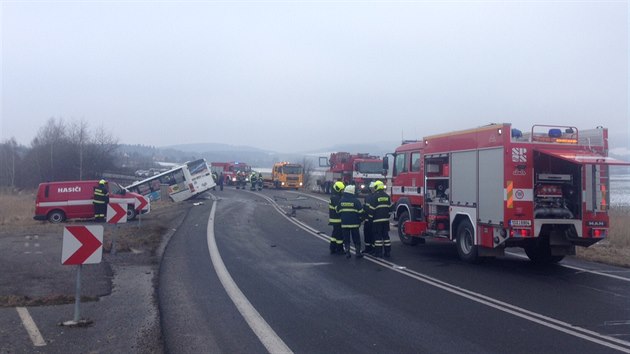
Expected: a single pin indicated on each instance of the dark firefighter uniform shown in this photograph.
(336, 239)
(101, 198)
(379, 208)
(368, 238)
(253, 179)
(351, 213)
(215, 177)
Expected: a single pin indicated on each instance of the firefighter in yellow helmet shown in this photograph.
(351, 213)
(379, 207)
(368, 237)
(336, 239)
(101, 198)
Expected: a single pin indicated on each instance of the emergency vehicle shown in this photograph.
(284, 175)
(229, 170)
(59, 201)
(360, 169)
(545, 190)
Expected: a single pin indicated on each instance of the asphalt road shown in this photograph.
(271, 285)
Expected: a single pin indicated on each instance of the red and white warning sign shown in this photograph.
(140, 203)
(82, 245)
(116, 213)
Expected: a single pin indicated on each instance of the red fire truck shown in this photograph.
(361, 168)
(545, 190)
(229, 170)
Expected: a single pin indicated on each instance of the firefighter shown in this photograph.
(380, 206)
(253, 179)
(260, 181)
(239, 179)
(221, 180)
(101, 198)
(336, 239)
(215, 177)
(351, 214)
(368, 237)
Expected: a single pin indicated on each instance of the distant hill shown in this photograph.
(256, 157)
(213, 147)
(378, 149)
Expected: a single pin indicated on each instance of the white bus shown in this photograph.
(183, 182)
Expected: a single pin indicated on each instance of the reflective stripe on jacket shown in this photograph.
(351, 211)
(379, 207)
(100, 195)
(333, 216)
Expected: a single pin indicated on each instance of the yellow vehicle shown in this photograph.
(285, 175)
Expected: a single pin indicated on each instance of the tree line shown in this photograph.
(60, 151)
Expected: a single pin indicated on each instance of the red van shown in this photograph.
(58, 201)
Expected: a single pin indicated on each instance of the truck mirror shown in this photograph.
(385, 163)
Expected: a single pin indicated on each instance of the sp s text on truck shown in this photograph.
(546, 190)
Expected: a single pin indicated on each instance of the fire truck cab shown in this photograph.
(229, 170)
(545, 190)
(360, 169)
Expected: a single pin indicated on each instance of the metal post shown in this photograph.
(113, 252)
(77, 295)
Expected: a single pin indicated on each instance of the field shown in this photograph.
(616, 248)
(17, 209)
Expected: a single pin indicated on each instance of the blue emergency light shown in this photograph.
(555, 133)
(517, 133)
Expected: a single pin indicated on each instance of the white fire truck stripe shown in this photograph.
(85, 202)
(408, 191)
(520, 195)
(66, 203)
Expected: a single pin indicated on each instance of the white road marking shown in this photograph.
(256, 322)
(578, 268)
(576, 331)
(31, 327)
(602, 273)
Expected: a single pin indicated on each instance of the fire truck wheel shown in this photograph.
(466, 247)
(131, 213)
(56, 216)
(407, 240)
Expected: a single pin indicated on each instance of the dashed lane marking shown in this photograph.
(31, 327)
(549, 322)
(602, 273)
(583, 270)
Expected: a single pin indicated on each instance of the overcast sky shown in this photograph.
(295, 76)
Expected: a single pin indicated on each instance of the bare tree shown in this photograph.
(102, 152)
(79, 136)
(8, 156)
(307, 164)
(48, 138)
